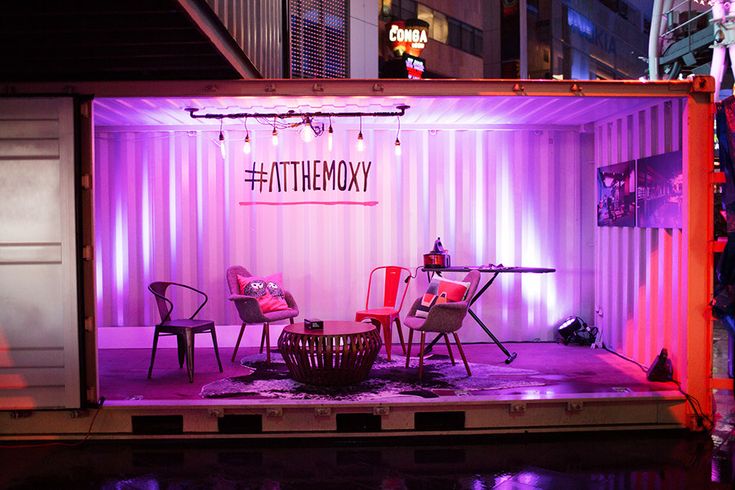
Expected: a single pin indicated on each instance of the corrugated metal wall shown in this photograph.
(638, 280)
(168, 208)
(257, 27)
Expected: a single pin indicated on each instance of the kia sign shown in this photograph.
(414, 66)
(409, 37)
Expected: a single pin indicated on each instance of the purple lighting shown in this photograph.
(120, 242)
(184, 214)
(145, 218)
(172, 202)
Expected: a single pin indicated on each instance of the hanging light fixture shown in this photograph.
(246, 146)
(330, 135)
(360, 140)
(397, 145)
(222, 144)
(304, 121)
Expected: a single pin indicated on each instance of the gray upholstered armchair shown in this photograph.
(443, 319)
(250, 312)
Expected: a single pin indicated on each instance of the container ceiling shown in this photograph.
(433, 112)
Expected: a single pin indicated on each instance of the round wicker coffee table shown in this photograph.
(340, 354)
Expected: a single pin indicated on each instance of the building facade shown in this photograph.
(571, 39)
(454, 48)
(304, 38)
(228, 39)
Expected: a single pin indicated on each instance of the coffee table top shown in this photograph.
(332, 327)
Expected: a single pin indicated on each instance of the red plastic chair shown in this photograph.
(389, 313)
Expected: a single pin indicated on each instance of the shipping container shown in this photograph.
(109, 186)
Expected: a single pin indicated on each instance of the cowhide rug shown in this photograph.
(387, 379)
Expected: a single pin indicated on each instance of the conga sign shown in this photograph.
(407, 36)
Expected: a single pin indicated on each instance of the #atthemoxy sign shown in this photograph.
(308, 175)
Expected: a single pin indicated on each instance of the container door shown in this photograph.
(39, 325)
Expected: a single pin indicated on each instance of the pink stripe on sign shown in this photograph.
(295, 203)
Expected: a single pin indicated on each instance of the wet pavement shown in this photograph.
(646, 460)
(606, 460)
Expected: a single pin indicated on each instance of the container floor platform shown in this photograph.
(562, 371)
(559, 389)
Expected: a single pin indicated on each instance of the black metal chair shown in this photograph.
(184, 329)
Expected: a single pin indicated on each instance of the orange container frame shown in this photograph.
(634, 303)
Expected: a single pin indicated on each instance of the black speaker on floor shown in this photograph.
(661, 368)
(575, 331)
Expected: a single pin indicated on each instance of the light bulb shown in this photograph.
(274, 137)
(246, 147)
(330, 138)
(397, 147)
(222, 146)
(307, 134)
(360, 142)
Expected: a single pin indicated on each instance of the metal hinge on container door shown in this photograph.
(86, 182)
(87, 252)
(84, 110)
(702, 83)
(575, 406)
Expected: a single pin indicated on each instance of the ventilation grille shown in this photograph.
(319, 38)
(157, 424)
(439, 420)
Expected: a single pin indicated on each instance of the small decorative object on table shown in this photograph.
(438, 257)
(313, 324)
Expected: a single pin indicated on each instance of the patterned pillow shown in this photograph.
(440, 291)
(267, 290)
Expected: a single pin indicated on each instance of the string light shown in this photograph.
(246, 146)
(222, 144)
(306, 122)
(307, 132)
(330, 135)
(360, 141)
(397, 145)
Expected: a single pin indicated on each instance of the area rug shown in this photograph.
(387, 379)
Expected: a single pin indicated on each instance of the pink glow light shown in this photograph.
(297, 203)
(191, 204)
(172, 203)
(145, 218)
(120, 242)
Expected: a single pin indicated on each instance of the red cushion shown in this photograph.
(267, 290)
(440, 291)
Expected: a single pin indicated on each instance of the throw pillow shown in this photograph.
(267, 290)
(440, 291)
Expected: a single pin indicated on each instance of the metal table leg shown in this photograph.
(510, 356)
